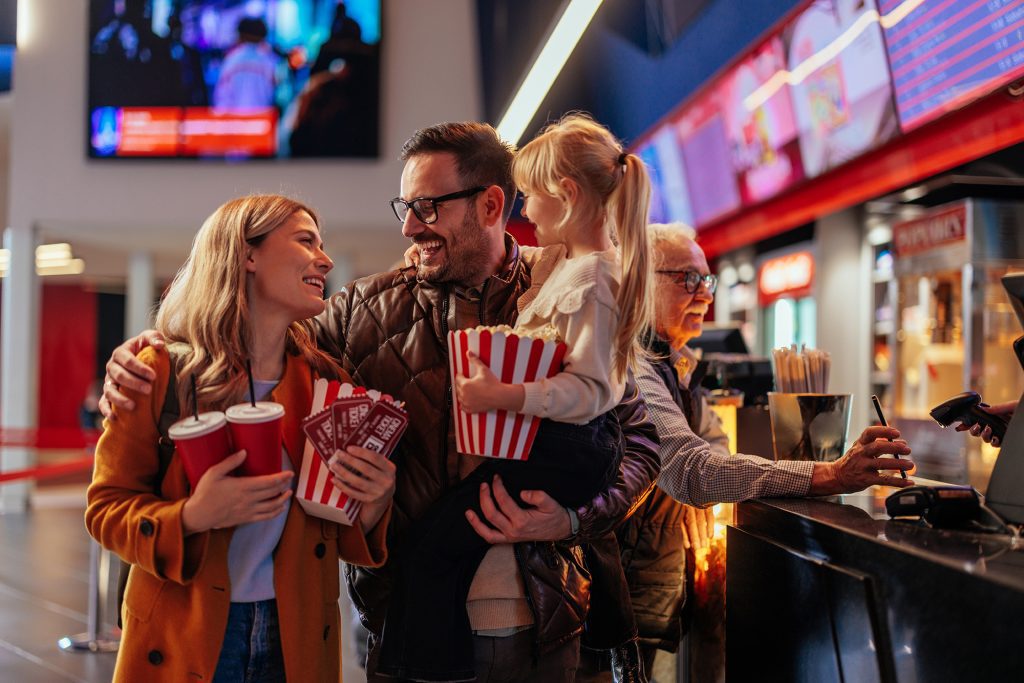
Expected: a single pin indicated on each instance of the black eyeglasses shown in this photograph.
(425, 208)
(691, 280)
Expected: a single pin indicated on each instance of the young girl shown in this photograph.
(230, 582)
(583, 193)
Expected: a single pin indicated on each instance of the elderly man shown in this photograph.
(696, 465)
(530, 595)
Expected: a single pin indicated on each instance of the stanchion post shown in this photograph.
(97, 638)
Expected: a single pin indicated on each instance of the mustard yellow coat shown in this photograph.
(178, 594)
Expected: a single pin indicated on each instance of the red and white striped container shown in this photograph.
(315, 492)
(514, 360)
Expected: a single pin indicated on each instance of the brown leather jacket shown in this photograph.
(389, 331)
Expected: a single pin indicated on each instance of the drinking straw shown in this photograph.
(252, 385)
(195, 400)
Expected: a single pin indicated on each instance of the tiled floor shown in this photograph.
(44, 579)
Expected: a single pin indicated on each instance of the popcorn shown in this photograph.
(514, 359)
(547, 333)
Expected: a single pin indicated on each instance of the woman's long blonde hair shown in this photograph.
(615, 191)
(206, 306)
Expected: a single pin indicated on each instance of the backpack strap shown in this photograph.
(171, 411)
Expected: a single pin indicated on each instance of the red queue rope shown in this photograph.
(48, 471)
(54, 437)
(48, 439)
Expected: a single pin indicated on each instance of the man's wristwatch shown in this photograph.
(574, 521)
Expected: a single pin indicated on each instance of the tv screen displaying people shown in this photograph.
(234, 79)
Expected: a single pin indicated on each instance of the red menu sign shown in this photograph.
(789, 276)
(936, 229)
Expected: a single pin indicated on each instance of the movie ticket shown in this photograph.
(348, 413)
(381, 430)
(319, 429)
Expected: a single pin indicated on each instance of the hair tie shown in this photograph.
(622, 159)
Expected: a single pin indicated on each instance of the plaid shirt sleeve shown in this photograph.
(693, 473)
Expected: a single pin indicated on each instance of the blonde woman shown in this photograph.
(230, 581)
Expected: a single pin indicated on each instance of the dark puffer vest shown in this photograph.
(651, 541)
(389, 331)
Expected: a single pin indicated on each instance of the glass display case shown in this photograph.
(952, 327)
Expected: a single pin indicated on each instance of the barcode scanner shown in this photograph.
(967, 408)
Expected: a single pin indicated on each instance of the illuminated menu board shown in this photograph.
(707, 159)
(673, 176)
(656, 213)
(946, 53)
(761, 130)
(841, 90)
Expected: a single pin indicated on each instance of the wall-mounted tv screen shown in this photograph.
(944, 54)
(234, 79)
(760, 124)
(841, 89)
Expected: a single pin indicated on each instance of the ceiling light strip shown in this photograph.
(545, 69)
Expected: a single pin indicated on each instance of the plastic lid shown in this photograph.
(247, 413)
(191, 428)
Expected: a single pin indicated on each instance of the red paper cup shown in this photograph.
(514, 359)
(201, 443)
(257, 429)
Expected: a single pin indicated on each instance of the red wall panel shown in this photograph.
(67, 353)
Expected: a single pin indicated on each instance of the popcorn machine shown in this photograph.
(954, 327)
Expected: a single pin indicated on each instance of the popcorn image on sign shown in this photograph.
(514, 359)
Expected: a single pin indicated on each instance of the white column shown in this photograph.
(843, 292)
(138, 313)
(19, 359)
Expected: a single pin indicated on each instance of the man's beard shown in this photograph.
(465, 254)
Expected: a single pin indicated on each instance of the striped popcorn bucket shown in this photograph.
(514, 360)
(315, 491)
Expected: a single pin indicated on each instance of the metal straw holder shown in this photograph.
(809, 426)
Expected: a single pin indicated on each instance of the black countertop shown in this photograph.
(990, 556)
(949, 603)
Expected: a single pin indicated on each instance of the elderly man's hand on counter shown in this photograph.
(863, 465)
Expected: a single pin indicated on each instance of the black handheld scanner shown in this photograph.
(967, 408)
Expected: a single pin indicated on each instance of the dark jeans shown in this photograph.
(426, 630)
(251, 652)
(510, 659)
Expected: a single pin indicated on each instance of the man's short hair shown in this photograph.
(482, 158)
(666, 235)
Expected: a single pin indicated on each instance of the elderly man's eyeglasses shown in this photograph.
(691, 280)
(425, 208)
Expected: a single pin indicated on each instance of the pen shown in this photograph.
(881, 418)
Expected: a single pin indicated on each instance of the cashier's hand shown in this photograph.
(125, 370)
(506, 522)
(366, 476)
(221, 500)
(862, 465)
(1002, 409)
(698, 527)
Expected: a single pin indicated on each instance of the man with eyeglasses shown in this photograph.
(527, 599)
(530, 595)
(697, 469)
